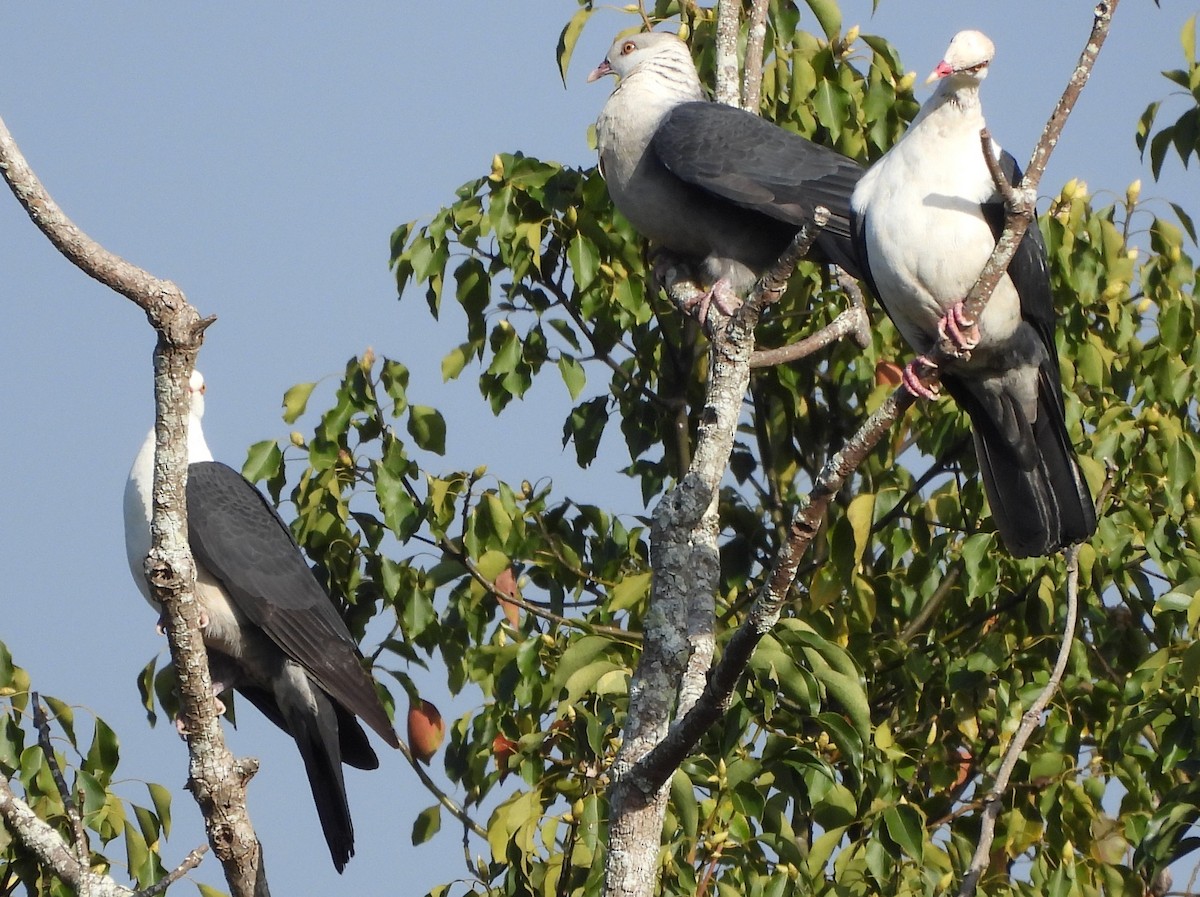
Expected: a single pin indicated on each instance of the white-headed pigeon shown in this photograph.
(927, 216)
(270, 629)
(717, 186)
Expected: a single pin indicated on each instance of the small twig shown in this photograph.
(441, 796)
(756, 35)
(940, 466)
(70, 804)
(934, 604)
(773, 282)
(190, 862)
(848, 323)
(1030, 720)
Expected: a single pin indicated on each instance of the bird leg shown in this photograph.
(911, 376)
(161, 626)
(217, 688)
(961, 331)
(720, 295)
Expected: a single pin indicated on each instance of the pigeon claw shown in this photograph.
(919, 367)
(721, 297)
(218, 705)
(961, 331)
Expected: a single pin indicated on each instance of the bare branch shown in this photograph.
(1030, 720)
(190, 862)
(728, 21)
(755, 39)
(848, 323)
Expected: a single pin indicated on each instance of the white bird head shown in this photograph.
(196, 390)
(967, 59)
(627, 53)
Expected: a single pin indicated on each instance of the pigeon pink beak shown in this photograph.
(943, 69)
(600, 71)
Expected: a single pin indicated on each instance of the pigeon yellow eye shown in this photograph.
(628, 48)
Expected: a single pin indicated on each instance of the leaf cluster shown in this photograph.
(89, 771)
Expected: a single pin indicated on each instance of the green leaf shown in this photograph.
(394, 377)
(831, 105)
(295, 400)
(498, 515)
(829, 16)
(263, 461)
(161, 798)
(104, 754)
(573, 375)
(454, 362)
(585, 261)
(427, 824)
(567, 39)
(63, 715)
(683, 802)
(905, 827)
(861, 514)
(427, 428)
(630, 591)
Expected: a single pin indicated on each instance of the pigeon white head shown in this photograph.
(197, 446)
(966, 60)
(627, 53)
(196, 389)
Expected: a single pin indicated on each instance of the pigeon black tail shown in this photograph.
(317, 737)
(1041, 508)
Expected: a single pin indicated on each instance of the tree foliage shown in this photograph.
(871, 720)
(1184, 134)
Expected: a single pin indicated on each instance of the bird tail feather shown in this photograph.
(316, 736)
(1039, 507)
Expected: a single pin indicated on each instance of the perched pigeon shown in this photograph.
(926, 218)
(715, 185)
(270, 630)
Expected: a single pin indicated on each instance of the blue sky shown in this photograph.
(260, 156)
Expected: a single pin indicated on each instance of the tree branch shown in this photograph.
(755, 39)
(728, 12)
(658, 765)
(51, 851)
(215, 778)
(70, 805)
(1030, 720)
(848, 323)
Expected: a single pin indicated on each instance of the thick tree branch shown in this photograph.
(215, 778)
(658, 765)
